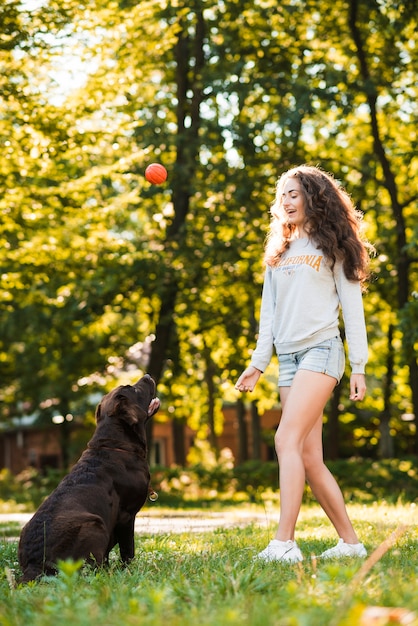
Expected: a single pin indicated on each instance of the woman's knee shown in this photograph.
(314, 468)
(279, 443)
(286, 443)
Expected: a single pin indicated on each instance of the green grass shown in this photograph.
(210, 579)
(9, 529)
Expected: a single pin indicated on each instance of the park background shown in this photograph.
(104, 276)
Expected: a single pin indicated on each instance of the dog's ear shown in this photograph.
(98, 414)
(130, 414)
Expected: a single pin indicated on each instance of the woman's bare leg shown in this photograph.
(302, 403)
(324, 486)
(320, 479)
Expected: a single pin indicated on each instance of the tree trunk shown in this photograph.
(386, 441)
(179, 444)
(332, 443)
(242, 433)
(188, 70)
(413, 382)
(210, 384)
(65, 435)
(160, 346)
(256, 431)
(333, 426)
(403, 260)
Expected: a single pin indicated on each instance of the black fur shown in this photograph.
(94, 506)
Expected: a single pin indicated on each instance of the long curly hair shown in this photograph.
(332, 222)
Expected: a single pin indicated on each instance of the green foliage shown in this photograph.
(27, 490)
(361, 480)
(258, 480)
(365, 480)
(409, 325)
(211, 579)
(94, 260)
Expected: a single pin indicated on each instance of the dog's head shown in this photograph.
(132, 403)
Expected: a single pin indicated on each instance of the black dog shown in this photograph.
(94, 506)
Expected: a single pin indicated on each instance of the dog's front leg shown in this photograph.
(124, 535)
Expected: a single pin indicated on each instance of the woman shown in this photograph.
(315, 263)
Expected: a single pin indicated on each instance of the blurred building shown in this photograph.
(25, 444)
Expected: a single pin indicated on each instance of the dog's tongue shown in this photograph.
(154, 405)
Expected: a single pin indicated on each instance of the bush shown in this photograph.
(255, 477)
(28, 489)
(366, 480)
(210, 481)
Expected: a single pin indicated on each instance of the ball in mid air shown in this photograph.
(156, 173)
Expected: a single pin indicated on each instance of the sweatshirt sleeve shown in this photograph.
(263, 352)
(349, 293)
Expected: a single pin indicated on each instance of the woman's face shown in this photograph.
(292, 204)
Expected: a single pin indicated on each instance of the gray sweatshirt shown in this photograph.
(300, 307)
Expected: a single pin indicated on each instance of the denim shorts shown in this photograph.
(326, 357)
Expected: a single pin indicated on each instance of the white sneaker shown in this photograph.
(343, 549)
(281, 551)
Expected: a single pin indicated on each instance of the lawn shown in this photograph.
(210, 578)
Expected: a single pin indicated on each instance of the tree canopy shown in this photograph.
(102, 272)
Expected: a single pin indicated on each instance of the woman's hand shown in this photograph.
(357, 386)
(248, 379)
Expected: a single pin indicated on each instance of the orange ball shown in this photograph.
(156, 173)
